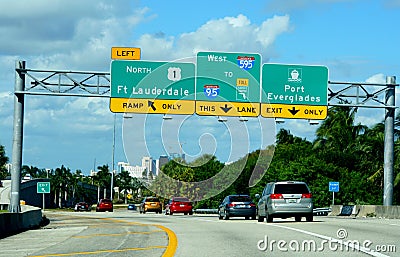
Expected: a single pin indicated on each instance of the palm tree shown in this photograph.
(61, 180)
(338, 131)
(125, 182)
(103, 178)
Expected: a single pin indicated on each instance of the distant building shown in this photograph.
(163, 160)
(134, 171)
(177, 156)
(150, 167)
(147, 162)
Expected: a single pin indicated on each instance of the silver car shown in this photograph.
(285, 199)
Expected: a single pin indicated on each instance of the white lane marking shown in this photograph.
(343, 242)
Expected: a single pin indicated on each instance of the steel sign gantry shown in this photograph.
(97, 84)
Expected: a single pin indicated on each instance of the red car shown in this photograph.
(179, 205)
(104, 205)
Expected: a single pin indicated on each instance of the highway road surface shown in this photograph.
(128, 233)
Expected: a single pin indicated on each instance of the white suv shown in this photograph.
(285, 199)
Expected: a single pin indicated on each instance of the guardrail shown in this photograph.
(316, 211)
(206, 211)
(322, 211)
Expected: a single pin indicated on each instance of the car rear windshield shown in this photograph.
(291, 189)
(240, 199)
(181, 199)
(152, 200)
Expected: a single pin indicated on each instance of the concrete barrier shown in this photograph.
(378, 211)
(29, 218)
(390, 212)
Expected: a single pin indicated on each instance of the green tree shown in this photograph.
(3, 161)
(60, 182)
(124, 182)
(103, 178)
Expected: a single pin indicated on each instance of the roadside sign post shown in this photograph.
(43, 188)
(333, 187)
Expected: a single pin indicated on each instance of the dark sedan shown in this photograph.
(237, 206)
(82, 206)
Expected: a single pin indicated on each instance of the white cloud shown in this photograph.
(377, 78)
(217, 35)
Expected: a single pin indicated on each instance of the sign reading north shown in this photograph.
(228, 84)
(294, 91)
(152, 87)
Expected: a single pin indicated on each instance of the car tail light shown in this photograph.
(252, 205)
(231, 205)
(306, 195)
(276, 196)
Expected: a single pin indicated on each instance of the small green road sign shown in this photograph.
(228, 84)
(43, 187)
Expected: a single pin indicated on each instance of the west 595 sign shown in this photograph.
(228, 84)
(152, 87)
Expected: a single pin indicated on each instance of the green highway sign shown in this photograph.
(228, 84)
(43, 187)
(294, 84)
(151, 80)
(152, 87)
(294, 91)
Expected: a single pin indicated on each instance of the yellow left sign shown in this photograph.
(125, 53)
(152, 106)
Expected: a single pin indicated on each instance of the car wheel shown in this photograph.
(247, 217)
(170, 212)
(186, 213)
(219, 215)
(191, 213)
(297, 218)
(253, 217)
(259, 217)
(309, 218)
(269, 218)
(226, 215)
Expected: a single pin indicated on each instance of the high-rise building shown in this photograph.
(147, 162)
(163, 160)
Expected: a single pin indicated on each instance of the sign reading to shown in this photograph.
(43, 187)
(125, 53)
(294, 91)
(228, 84)
(333, 186)
(152, 87)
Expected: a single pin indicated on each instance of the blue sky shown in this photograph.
(357, 40)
